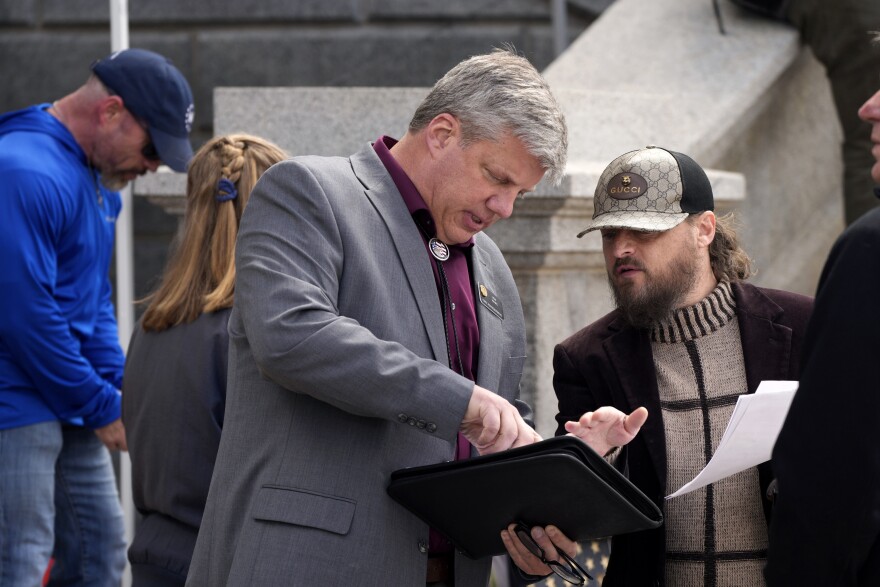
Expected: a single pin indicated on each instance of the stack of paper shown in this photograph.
(750, 435)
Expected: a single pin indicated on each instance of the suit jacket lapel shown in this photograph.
(491, 335)
(385, 197)
(766, 344)
(639, 384)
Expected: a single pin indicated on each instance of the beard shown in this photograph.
(663, 292)
(113, 182)
(114, 177)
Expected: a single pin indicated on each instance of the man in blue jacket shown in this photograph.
(60, 359)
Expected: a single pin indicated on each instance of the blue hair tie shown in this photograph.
(225, 190)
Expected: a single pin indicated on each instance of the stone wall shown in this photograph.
(46, 47)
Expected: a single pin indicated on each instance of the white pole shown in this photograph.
(124, 282)
(559, 16)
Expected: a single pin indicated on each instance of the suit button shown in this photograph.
(421, 423)
(431, 427)
(423, 546)
(411, 421)
(402, 418)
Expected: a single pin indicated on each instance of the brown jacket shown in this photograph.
(610, 363)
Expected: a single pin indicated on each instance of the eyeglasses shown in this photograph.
(149, 152)
(571, 572)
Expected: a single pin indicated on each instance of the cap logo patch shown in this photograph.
(627, 186)
(189, 117)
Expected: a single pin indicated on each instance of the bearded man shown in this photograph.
(61, 364)
(687, 338)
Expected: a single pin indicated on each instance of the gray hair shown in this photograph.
(496, 93)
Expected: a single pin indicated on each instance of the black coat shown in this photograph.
(610, 363)
(826, 524)
(173, 400)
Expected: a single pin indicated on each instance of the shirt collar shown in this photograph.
(414, 201)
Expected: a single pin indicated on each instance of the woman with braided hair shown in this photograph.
(175, 373)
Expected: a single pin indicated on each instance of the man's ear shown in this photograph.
(443, 130)
(110, 109)
(706, 228)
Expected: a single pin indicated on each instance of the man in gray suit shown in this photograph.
(376, 327)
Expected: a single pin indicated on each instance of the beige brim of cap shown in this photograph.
(636, 220)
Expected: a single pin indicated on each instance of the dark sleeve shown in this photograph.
(571, 389)
(826, 519)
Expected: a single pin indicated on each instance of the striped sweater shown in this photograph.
(717, 535)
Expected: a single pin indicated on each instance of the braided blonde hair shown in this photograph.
(200, 276)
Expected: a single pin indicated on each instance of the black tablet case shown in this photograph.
(559, 481)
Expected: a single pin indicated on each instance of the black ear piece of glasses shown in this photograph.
(570, 571)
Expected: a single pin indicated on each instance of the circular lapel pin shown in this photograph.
(438, 249)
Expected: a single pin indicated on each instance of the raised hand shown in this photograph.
(607, 427)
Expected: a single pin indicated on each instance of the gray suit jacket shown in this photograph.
(338, 376)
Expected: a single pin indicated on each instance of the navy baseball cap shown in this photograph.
(156, 92)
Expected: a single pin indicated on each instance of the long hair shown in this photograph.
(729, 261)
(496, 93)
(200, 276)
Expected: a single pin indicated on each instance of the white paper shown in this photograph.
(750, 434)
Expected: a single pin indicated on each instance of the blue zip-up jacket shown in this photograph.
(60, 357)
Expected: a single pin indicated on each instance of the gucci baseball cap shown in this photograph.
(649, 190)
(157, 93)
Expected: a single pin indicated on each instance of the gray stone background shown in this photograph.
(46, 47)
